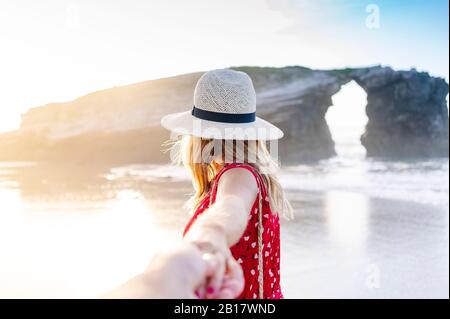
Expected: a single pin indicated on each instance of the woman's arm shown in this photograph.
(227, 218)
(223, 224)
(175, 273)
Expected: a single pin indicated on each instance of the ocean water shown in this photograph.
(421, 181)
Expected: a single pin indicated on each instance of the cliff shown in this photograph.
(407, 114)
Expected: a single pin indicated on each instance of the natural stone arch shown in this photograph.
(407, 110)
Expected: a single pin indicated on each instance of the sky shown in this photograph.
(57, 50)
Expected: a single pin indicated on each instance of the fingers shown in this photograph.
(215, 281)
(235, 270)
(211, 263)
(223, 277)
(211, 267)
(226, 294)
(200, 293)
(233, 282)
(230, 289)
(236, 275)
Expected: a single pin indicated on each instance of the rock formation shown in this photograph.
(407, 111)
(407, 114)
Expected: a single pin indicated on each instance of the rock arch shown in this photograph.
(407, 110)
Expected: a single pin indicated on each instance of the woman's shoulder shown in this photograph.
(239, 167)
(239, 172)
(238, 175)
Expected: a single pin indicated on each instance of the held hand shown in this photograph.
(188, 272)
(172, 274)
(225, 279)
(233, 281)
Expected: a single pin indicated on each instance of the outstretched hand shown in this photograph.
(224, 278)
(184, 272)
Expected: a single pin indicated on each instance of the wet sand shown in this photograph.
(343, 245)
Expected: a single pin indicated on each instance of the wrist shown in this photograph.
(209, 240)
(205, 247)
(210, 244)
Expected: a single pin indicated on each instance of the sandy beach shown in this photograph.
(79, 235)
(343, 245)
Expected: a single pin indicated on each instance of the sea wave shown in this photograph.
(424, 182)
(419, 181)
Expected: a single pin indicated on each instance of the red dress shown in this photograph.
(245, 251)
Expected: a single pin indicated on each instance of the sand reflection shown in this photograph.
(48, 250)
(347, 218)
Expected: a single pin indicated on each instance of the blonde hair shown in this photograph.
(202, 156)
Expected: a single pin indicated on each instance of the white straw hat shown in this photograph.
(224, 108)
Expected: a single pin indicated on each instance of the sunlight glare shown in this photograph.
(76, 253)
(347, 218)
(347, 120)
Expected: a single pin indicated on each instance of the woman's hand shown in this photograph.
(227, 279)
(233, 281)
(196, 271)
(180, 273)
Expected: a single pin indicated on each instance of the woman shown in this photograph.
(237, 200)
